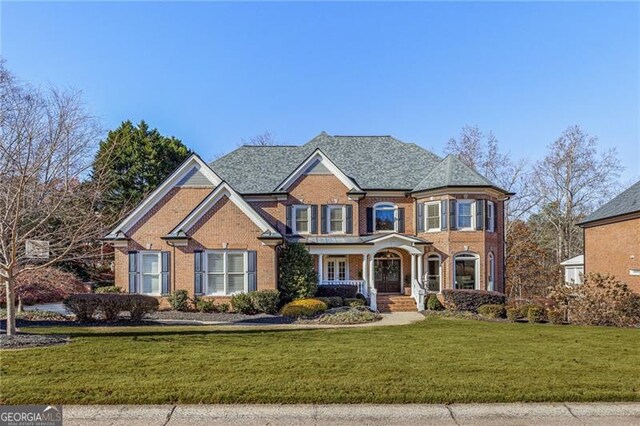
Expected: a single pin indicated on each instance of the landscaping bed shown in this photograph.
(219, 317)
(20, 341)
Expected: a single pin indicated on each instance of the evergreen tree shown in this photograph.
(137, 160)
(296, 276)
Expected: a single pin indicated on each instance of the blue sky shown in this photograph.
(214, 73)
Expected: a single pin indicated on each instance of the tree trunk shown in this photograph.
(11, 305)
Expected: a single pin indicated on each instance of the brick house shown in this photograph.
(389, 217)
(612, 238)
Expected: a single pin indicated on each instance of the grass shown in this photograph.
(435, 361)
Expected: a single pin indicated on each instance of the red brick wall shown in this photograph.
(614, 249)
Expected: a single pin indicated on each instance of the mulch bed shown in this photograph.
(221, 317)
(20, 341)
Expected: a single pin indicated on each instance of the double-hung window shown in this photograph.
(465, 215)
(491, 279)
(491, 214)
(226, 272)
(433, 216)
(433, 272)
(151, 272)
(336, 219)
(385, 217)
(301, 219)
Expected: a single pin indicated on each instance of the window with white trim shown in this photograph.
(491, 213)
(433, 272)
(433, 216)
(466, 270)
(385, 217)
(491, 278)
(226, 272)
(336, 268)
(151, 272)
(465, 215)
(301, 219)
(336, 219)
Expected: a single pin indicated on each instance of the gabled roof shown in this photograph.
(193, 169)
(625, 203)
(223, 190)
(355, 239)
(451, 172)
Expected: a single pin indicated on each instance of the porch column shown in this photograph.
(320, 264)
(413, 267)
(364, 269)
(371, 273)
(420, 267)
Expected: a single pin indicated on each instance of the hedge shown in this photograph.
(109, 306)
(471, 300)
(337, 290)
(304, 308)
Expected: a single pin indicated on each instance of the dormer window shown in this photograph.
(385, 216)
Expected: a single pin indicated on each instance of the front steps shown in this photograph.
(396, 303)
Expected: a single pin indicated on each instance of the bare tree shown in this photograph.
(572, 180)
(263, 139)
(47, 140)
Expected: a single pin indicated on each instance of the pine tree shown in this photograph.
(296, 276)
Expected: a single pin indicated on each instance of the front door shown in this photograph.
(387, 273)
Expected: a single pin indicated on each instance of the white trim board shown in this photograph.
(317, 156)
(222, 190)
(193, 162)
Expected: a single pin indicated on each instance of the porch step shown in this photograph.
(396, 303)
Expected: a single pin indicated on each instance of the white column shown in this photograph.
(420, 267)
(320, 265)
(372, 274)
(413, 267)
(364, 267)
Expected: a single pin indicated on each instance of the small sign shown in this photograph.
(31, 415)
(37, 249)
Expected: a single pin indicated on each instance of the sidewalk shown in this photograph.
(609, 414)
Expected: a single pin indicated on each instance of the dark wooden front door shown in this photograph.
(387, 275)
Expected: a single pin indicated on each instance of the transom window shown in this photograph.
(491, 213)
(385, 217)
(226, 272)
(151, 272)
(433, 216)
(433, 272)
(465, 214)
(466, 269)
(336, 220)
(302, 219)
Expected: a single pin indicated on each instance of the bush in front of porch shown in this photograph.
(296, 276)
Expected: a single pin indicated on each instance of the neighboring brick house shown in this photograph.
(384, 215)
(612, 238)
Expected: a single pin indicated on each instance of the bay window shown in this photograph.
(491, 278)
(433, 216)
(491, 214)
(466, 271)
(465, 215)
(433, 272)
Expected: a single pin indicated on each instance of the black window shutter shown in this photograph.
(495, 216)
(288, 223)
(134, 276)
(252, 260)
(166, 274)
(443, 215)
(369, 220)
(479, 214)
(314, 219)
(420, 217)
(487, 219)
(323, 219)
(401, 220)
(349, 219)
(452, 214)
(199, 273)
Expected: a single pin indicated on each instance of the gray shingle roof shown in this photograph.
(627, 202)
(373, 162)
(451, 172)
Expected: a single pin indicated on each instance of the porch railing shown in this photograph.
(362, 285)
(417, 292)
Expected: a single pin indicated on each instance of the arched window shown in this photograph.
(385, 217)
(466, 271)
(491, 273)
(434, 273)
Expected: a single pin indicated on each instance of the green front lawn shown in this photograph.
(435, 361)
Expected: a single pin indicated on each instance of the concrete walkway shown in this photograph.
(609, 414)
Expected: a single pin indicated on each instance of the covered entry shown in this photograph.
(387, 272)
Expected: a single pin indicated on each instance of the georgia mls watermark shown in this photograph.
(31, 415)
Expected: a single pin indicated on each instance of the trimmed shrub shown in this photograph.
(514, 313)
(296, 277)
(83, 306)
(524, 309)
(108, 306)
(492, 311)
(243, 303)
(265, 301)
(304, 308)
(536, 314)
(140, 305)
(362, 297)
(556, 316)
(224, 307)
(354, 302)
(109, 289)
(470, 300)
(433, 304)
(46, 285)
(332, 302)
(179, 300)
(338, 290)
(205, 305)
